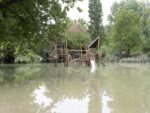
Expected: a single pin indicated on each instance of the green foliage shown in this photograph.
(18, 74)
(83, 23)
(146, 28)
(77, 39)
(128, 31)
(24, 74)
(28, 58)
(95, 13)
(27, 23)
(77, 34)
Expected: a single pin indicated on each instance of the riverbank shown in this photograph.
(137, 59)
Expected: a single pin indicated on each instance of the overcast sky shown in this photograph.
(106, 5)
(75, 14)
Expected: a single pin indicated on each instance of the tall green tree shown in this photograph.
(95, 14)
(129, 27)
(146, 27)
(126, 32)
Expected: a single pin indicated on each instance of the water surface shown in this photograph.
(43, 88)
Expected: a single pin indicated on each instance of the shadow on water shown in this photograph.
(116, 88)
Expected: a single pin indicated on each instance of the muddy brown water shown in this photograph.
(43, 88)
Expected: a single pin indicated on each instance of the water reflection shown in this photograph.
(93, 66)
(71, 105)
(18, 74)
(115, 88)
(40, 97)
(105, 103)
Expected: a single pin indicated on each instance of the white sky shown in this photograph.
(74, 14)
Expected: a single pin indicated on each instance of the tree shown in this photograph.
(146, 27)
(77, 34)
(129, 28)
(130, 5)
(95, 13)
(126, 32)
(30, 22)
(83, 23)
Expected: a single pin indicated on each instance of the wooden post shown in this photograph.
(81, 55)
(66, 55)
(55, 56)
(87, 57)
(98, 50)
(98, 44)
(62, 54)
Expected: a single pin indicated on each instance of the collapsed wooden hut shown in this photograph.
(84, 54)
(93, 51)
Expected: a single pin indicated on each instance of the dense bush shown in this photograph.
(29, 58)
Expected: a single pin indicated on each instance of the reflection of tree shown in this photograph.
(17, 99)
(66, 84)
(128, 85)
(76, 84)
(18, 73)
(73, 84)
(61, 82)
(145, 90)
(95, 97)
(6, 73)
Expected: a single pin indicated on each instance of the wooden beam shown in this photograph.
(76, 50)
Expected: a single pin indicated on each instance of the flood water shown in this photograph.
(43, 88)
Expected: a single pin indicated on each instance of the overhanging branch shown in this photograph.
(6, 4)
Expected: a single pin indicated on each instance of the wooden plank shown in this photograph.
(76, 50)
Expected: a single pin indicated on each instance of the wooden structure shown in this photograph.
(95, 43)
(64, 55)
(93, 50)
